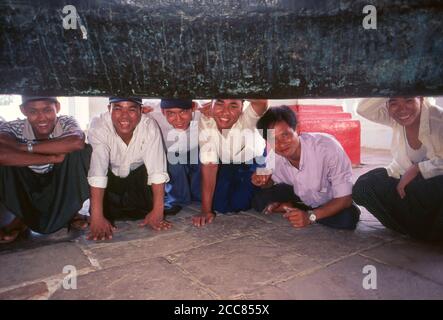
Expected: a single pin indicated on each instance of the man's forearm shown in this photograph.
(68, 143)
(97, 196)
(16, 158)
(333, 207)
(72, 142)
(209, 179)
(158, 194)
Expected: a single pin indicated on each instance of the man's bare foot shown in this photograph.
(79, 222)
(11, 232)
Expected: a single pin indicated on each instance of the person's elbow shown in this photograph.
(5, 155)
(347, 201)
(78, 142)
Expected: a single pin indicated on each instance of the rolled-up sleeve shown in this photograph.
(155, 158)
(249, 117)
(98, 169)
(375, 109)
(339, 170)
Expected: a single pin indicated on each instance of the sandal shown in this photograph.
(79, 222)
(8, 236)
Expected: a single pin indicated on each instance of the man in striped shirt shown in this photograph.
(43, 169)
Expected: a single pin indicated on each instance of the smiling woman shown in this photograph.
(406, 196)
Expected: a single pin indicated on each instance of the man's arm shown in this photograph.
(155, 218)
(16, 158)
(333, 207)
(69, 142)
(259, 105)
(72, 141)
(209, 179)
(101, 228)
(299, 218)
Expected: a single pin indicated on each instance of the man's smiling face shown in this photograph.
(125, 116)
(42, 115)
(226, 112)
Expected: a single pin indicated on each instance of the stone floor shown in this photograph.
(242, 256)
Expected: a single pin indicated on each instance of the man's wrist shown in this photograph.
(312, 216)
(30, 146)
(155, 212)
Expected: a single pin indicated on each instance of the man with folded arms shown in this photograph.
(43, 169)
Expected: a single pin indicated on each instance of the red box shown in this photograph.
(331, 120)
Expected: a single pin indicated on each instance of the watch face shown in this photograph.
(312, 217)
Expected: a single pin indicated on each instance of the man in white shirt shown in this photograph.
(311, 178)
(230, 150)
(43, 169)
(178, 122)
(128, 168)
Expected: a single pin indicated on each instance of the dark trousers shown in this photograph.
(419, 214)
(128, 198)
(47, 202)
(345, 219)
(234, 190)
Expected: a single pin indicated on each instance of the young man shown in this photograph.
(312, 177)
(227, 134)
(43, 169)
(178, 122)
(128, 168)
(406, 196)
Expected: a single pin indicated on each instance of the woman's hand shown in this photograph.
(409, 175)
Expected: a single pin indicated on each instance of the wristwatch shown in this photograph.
(312, 216)
(30, 145)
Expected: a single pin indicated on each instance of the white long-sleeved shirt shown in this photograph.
(109, 151)
(430, 134)
(240, 144)
(176, 140)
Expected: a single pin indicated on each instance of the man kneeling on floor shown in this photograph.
(178, 122)
(230, 151)
(312, 176)
(43, 169)
(130, 145)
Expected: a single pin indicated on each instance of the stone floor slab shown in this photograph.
(234, 266)
(414, 256)
(29, 265)
(323, 244)
(344, 280)
(145, 280)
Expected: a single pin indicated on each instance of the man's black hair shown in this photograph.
(274, 115)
